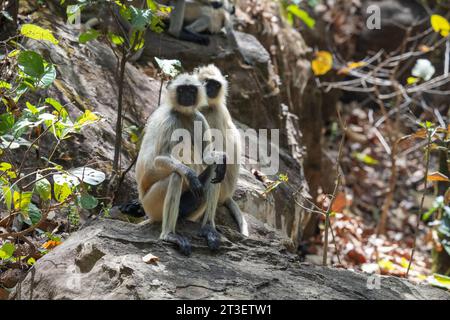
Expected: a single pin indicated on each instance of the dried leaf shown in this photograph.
(150, 258)
(51, 244)
(437, 176)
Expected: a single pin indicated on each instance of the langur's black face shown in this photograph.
(213, 88)
(187, 95)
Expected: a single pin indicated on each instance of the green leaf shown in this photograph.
(86, 118)
(58, 107)
(22, 200)
(31, 261)
(34, 213)
(302, 15)
(439, 280)
(6, 122)
(7, 195)
(62, 191)
(7, 250)
(31, 63)
(88, 202)
(116, 39)
(37, 33)
(43, 188)
(4, 84)
(48, 77)
(140, 18)
(89, 35)
(169, 67)
(32, 108)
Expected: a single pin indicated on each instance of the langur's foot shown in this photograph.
(183, 244)
(211, 235)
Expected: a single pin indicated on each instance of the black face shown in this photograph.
(213, 88)
(187, 95)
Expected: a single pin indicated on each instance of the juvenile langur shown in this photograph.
(190, 18)
(218, 117)
(163, 179)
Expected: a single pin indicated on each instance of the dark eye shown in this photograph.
(213, 88)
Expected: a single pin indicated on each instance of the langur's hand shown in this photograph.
(221, 170)
(195, 185)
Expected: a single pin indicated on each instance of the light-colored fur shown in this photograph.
(218, 117)
(161, 177)
(201, 17)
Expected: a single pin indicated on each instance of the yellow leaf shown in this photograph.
(412, 80)
(322, 63)
(437, 176)
(350, 66)
(37, 33)
(386, 265)
(440, 24)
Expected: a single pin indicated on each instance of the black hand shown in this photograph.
(195, 185)
(221, 170)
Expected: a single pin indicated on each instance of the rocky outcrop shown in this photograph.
(105, 261)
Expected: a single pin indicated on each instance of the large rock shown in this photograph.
(104, 261)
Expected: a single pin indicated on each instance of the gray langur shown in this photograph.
(218, 117)
(190, 18)
(163, 180)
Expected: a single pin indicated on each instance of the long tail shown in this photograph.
(238, 216)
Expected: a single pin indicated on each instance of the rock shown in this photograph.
(258, 267)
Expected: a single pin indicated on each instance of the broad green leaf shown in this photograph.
(22, 200)
(116, 39)
(6, 122)
(169, 67)
(32, 108)
(140, 18)
(88, 202)
(302, 15)
(43, 188)
(34, 214)
(48, 77)
(31, 261)
(31, 63)
(88, 175)
(7, 250)
(5, 166)
(89, 35)
(62, 191)
(439, 280)
(4, 84)
(35, 32)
